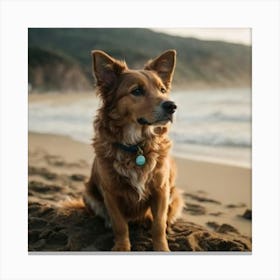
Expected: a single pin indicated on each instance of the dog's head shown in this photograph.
(137, 96)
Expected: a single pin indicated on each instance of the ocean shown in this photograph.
(211, 125)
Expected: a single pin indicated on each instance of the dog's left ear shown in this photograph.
(164, 65)
(106, 69)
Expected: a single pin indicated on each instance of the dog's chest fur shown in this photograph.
(125, 163)
(136, 176)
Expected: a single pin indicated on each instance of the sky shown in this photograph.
(234, 35)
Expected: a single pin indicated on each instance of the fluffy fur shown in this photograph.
(119, 190)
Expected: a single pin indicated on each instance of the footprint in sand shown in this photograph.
(195, 209)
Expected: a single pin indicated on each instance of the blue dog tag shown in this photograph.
(140, 160)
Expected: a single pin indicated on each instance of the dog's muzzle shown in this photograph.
(163, 114)
(169, 107)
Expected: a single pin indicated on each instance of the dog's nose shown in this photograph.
(169, 106)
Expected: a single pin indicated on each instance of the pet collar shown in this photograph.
(140, 160)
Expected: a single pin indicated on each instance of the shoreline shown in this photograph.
(175, 154)
(210, 159)
(187, 155)
(43, 108)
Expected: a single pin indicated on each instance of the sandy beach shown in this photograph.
(217, 213)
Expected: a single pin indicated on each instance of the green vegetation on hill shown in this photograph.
(51, 71)
(199, 63)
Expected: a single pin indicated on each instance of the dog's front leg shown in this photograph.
(159, 210)
(119, 224)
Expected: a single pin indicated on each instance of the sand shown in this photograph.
(217, 213)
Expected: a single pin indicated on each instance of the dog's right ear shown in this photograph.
(164, 66)
(106, 69)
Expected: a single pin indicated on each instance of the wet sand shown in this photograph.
(217, 212)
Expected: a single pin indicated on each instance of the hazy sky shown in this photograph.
(235, 35)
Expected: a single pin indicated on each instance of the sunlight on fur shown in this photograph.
(133, 121)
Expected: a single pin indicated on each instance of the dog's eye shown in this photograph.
(138, 91)
(163, 90)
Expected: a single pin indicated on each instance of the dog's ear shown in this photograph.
(106, 69)
(164, 65)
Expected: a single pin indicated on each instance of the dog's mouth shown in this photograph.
(162, 121)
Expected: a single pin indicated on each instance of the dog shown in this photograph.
(133, 176)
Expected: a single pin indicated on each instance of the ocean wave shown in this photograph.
(201, 118)
(213, 140)
(216, 117)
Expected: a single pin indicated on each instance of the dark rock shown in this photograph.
(216, 214)
(78, 177)
(213, 225)
(33, 236)
(201, 198)
(174, 247)
(104, 242)
(36, 223)
(239, 205)
(195, 209)
(43, 172)
(247, 214)
(217, 244)
(45, 234)
(57, 238)
(33, 207)
(225, 228)
(42, 188)
(37, 246)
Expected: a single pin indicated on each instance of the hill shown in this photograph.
(200, 63)
(51, 71)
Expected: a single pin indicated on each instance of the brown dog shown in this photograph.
(132, 177)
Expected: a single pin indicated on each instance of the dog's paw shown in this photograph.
(161, 246)
(121, 247)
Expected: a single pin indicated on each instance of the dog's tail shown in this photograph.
(71, 204)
